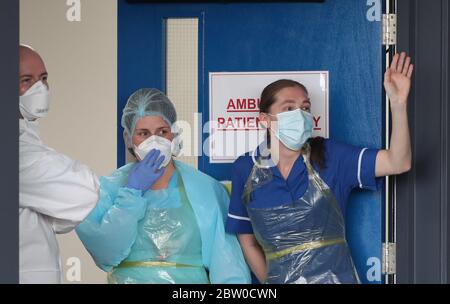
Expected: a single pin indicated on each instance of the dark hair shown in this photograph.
(268, 98)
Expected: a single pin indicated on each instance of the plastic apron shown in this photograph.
(168, 245)
(303, 241)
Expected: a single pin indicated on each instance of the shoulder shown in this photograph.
(335, 145)
(34, 152)
(40, 160)
(335, 149)
(200, 186)
(346, 157)
(197, 175)
(243, 165)
(117, 178)
(245, 160)
(188, 169)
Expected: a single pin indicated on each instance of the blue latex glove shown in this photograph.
(145, 173)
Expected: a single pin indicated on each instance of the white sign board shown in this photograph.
(233, 109)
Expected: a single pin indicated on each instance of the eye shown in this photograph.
(163, 132)
(25, 80)
(306, 109)
(290, 108)
(143, 134)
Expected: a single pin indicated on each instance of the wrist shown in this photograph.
(132, 190)
(132, 186)
(399, 106)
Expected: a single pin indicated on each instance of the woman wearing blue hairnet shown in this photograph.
(159, 220)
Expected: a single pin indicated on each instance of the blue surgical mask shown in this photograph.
(294, 128)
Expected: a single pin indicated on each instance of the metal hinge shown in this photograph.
(389, 29)
(389, 258)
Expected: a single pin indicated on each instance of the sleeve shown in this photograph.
(356, 166)
(59, 187)
(110, 230)
(238, 220)
(227, 263)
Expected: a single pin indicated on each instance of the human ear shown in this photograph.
(264, 120)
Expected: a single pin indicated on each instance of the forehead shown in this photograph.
(291, 93)
(31, 63)
(151, 123)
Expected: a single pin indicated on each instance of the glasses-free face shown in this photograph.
(31, 70)
(151, 125)
(287, 99)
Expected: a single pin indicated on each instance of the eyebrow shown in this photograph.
(290, 101)
(148, 130)
(29, 75)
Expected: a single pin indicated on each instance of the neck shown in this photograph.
(163, 181)
(283, 157)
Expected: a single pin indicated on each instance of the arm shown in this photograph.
(110, 230)
(254, 255)
(226, 252)
(397, 82)
(59, 187)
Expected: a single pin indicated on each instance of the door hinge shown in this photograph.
(389, 29)
(389, 258)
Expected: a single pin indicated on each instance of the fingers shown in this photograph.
(410, 71)
(159, 162)
(394, 62)
(159, 172)
(406, 66)
(401, 62)
(151, 157)
(387, 76)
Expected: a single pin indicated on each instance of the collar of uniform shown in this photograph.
(297, 168)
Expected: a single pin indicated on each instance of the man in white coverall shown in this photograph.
(55, 192)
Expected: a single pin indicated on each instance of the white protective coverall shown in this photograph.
(55, 194)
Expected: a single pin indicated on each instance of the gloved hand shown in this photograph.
(146, 172)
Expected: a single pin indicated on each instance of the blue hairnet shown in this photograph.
(147, 102)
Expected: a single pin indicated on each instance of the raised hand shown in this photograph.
(146, 172)
(397, 79)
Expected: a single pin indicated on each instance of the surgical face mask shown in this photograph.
(294, 128)
(155, 142)
(35, 102)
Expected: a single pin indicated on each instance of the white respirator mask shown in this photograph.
(35, 102)
(165, 146)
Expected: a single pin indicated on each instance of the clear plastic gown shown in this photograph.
(303, 241)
